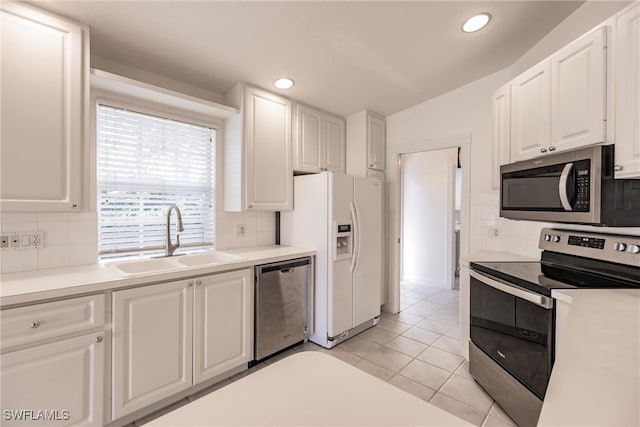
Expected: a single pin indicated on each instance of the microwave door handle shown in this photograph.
(562, 187)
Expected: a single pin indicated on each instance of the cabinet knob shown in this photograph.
(552, 148)
(74, 205)
(99, 339)
(190, 283)
(198, 282)
(371, 165)
(35, 324)
(618, 168)
(543, 150)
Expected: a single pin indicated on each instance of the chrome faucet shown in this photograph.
(170, 248)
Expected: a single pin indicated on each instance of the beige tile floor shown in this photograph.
(417, 350)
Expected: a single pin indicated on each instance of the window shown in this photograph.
(146, 163)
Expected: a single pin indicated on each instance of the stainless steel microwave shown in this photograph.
(571, 187)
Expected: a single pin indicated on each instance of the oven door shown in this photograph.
(514, 327)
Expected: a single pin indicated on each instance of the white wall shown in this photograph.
(468, 110)
(427, 212)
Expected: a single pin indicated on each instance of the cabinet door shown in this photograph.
(376, 137)
(223, 323)
(62, 376)
(627, 121)
(308, 146)
(530, 113)
(501, 131)
(267, 139)
(152, 344)
(44, 75)
(578, 94)
(335, 144)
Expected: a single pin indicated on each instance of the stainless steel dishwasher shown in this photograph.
(282, 305)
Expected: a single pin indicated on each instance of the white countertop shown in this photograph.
(311, 389)
(596, 375)
(31, 286)
(491, 256)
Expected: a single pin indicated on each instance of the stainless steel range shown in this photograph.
(512, 313)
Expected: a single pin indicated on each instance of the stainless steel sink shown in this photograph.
(208, 258)
(148, 266)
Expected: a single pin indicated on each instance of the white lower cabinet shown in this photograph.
(60, 383)
(223, 323)
(152, 342)
(170, 337)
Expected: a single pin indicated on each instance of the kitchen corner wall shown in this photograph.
(69, 239)
(467, 110)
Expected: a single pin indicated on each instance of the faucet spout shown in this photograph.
(170, 248)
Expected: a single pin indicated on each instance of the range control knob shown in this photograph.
(618, 246)
(547, 237)
(634, 249)
(555, 239)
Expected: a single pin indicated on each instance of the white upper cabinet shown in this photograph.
(366, 143)
(530, 113)
(560, 103)
(501, 105)
(376, 141)
(319, 141)
(578, 90)
(627, 116)
(335, 144)
(258, 169)
(44, 86)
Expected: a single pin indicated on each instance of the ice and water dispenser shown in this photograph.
(343, 242)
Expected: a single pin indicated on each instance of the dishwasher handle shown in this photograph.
(284, 266)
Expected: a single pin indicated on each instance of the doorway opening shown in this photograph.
(430, 212)
(455, 181)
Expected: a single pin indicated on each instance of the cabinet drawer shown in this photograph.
(27, 325)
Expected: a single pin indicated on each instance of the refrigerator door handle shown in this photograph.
(356, 237)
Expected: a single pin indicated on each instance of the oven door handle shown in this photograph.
(537, 299)
(562, 187)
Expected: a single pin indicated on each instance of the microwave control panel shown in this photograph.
(583, 186)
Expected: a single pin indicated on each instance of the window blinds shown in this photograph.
(144, 164)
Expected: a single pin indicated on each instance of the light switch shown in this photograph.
(25, 240)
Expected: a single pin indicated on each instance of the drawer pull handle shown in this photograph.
(35, 324)
(98, 339)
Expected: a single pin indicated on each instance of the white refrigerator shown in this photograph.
(340, 216)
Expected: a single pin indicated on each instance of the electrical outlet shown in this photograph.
(4, 241)
(494, 232)
(37, 239)
(241, 229)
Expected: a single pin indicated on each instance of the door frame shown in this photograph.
(394, 169)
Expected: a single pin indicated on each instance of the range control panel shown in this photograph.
(607, 247)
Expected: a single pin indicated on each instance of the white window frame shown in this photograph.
(169, 111)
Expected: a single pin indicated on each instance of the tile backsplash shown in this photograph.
(69, 239)
(259, 229)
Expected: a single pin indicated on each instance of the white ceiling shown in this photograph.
(345, 56)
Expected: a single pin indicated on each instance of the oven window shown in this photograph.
(515, 333)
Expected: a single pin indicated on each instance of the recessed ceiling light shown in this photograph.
(476, 23)
(284, 83)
